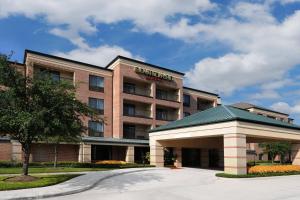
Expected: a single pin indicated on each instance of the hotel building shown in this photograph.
(131, 97)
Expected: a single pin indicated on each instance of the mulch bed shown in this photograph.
(22, 179)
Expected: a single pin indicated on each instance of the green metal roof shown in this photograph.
(223, 113)
(115, 140)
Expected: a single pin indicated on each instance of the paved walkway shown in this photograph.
(165, 184)
(190, 184)
(75, 185)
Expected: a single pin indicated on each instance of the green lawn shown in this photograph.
(15, 170)
(44, 181)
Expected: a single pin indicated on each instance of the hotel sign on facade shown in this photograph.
(153, 75)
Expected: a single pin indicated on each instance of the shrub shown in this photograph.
(111, 162)
(7, 164)
(273, 169)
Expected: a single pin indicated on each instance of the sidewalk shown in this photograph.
(73, 186)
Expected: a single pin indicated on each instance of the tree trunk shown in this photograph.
(55, 156)
(26, 151)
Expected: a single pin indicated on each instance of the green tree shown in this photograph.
(36, 108)
(276, 148)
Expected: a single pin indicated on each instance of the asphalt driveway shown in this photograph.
(187, 183)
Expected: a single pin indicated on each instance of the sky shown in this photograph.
(246, 51)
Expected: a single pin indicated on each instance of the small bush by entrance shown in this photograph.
(273, 169)
(224, 175)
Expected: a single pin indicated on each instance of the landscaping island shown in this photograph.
(17, 182)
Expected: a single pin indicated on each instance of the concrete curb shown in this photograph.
(78, 190)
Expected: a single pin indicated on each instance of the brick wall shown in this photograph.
(5, 150)
(45, 153)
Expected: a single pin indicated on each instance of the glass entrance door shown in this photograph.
(214, 158)
(190, 157)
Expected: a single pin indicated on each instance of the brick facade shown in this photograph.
(5, 150)
(45, 152)
(121, 71)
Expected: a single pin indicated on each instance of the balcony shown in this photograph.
(167, 94)
(136, 88)
(142, 114)
(136, 109)
(139, 92)
(135, 131)
(166, 114)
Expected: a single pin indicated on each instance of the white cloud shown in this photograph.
(288, 1)
(101, 55)
(265, 94)
(264, 50)
(252, 12)
(286, 108)
(278, 84)
(73, 17)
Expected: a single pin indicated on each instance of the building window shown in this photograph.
(161, 114)
(96, 83)
(129, 109)
(186, 100)
(97, 104)
(185, 114)
(54, 75)
(129, 88)
(95, 128)
(129, 131)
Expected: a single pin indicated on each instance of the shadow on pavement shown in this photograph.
(123, 181)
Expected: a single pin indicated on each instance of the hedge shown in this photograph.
(7, 164)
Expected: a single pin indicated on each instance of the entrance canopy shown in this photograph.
(236, 127)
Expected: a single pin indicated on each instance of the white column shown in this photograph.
(235, 157)
(296, 154)
(130, 154)
(156, 153)
(85, 153)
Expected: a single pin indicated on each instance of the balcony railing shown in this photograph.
(167, 97)
(139, 92)
(166, 118)
(143, 114)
